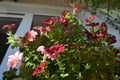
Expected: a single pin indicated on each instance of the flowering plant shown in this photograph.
(63, 49)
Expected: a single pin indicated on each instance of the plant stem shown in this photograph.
(59, 64)
(79, 58)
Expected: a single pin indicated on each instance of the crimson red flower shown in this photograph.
(111, 38)
(75, 8)
(31, 35)
(118, 61)
(40, 68)
(64, 12)
(63, 20)
(116, 51)
(87, 32)
(9, 26)
(93, 24)
(97, 35)
(100, 33)
(49, 21)
(53, 51)
(91, 18)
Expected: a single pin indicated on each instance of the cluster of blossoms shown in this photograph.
(31, 35)
(99, 33)
(51, 53)
(63, 35)
(9, 26)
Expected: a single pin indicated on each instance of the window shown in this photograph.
(3, 36)
(37, 20)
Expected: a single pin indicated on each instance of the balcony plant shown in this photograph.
(61, 48)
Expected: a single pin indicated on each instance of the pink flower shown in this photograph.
(91, 18)
(53, 51)
(31, 35)
(49, 21)
(63, 20)
(44, 30)
(40, 68)
(14, 60)
(9, 26)
(37, 28)
(100, 35)
(42, 49)
(48, 28)
(75, 8)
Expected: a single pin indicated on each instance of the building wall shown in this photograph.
(62, 3)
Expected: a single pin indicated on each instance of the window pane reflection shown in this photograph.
(3, 36)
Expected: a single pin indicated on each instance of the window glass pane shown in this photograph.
(37, 20)
(3, 36)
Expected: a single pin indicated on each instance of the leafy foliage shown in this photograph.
(10, 75)
(83, 55)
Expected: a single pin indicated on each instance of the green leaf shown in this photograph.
(87, 66)
(14, 46)
(54, 77)
(80, 22)
(10, 74)
(80, 76)
(117, 77)
(62, 69)
(64, 75)
(11, 37)
(35, 57)
(67, 16)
